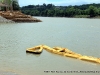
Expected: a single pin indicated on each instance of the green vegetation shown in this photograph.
(50, 10)
(15, 5)
(11, 5)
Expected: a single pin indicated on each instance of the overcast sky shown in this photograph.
(57, 2)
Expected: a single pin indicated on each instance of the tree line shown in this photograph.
(50, 10)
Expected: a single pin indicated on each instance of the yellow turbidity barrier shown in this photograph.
(62, 51)
(36, 49)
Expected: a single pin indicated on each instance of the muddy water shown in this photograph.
(79, 35)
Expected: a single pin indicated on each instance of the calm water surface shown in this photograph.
(79, 35)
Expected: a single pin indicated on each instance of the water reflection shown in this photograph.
(32, 54)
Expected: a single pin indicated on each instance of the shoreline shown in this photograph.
(97, 17)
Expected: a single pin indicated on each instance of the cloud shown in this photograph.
(32, 2)
(76, 2)
(57, 2)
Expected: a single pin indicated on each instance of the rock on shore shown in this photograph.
(17, 16)
(4, 20)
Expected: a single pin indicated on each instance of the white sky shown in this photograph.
(57, 2)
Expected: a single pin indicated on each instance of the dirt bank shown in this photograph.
(17, 16)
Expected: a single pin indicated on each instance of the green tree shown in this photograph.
(92, 11)
(70, 11)
(44, 5)
(49, 6)
(15, 5)
(62, 11)
(36, 13)
(99, 10)
(57, 12)
(77, 11)
(50, 13)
